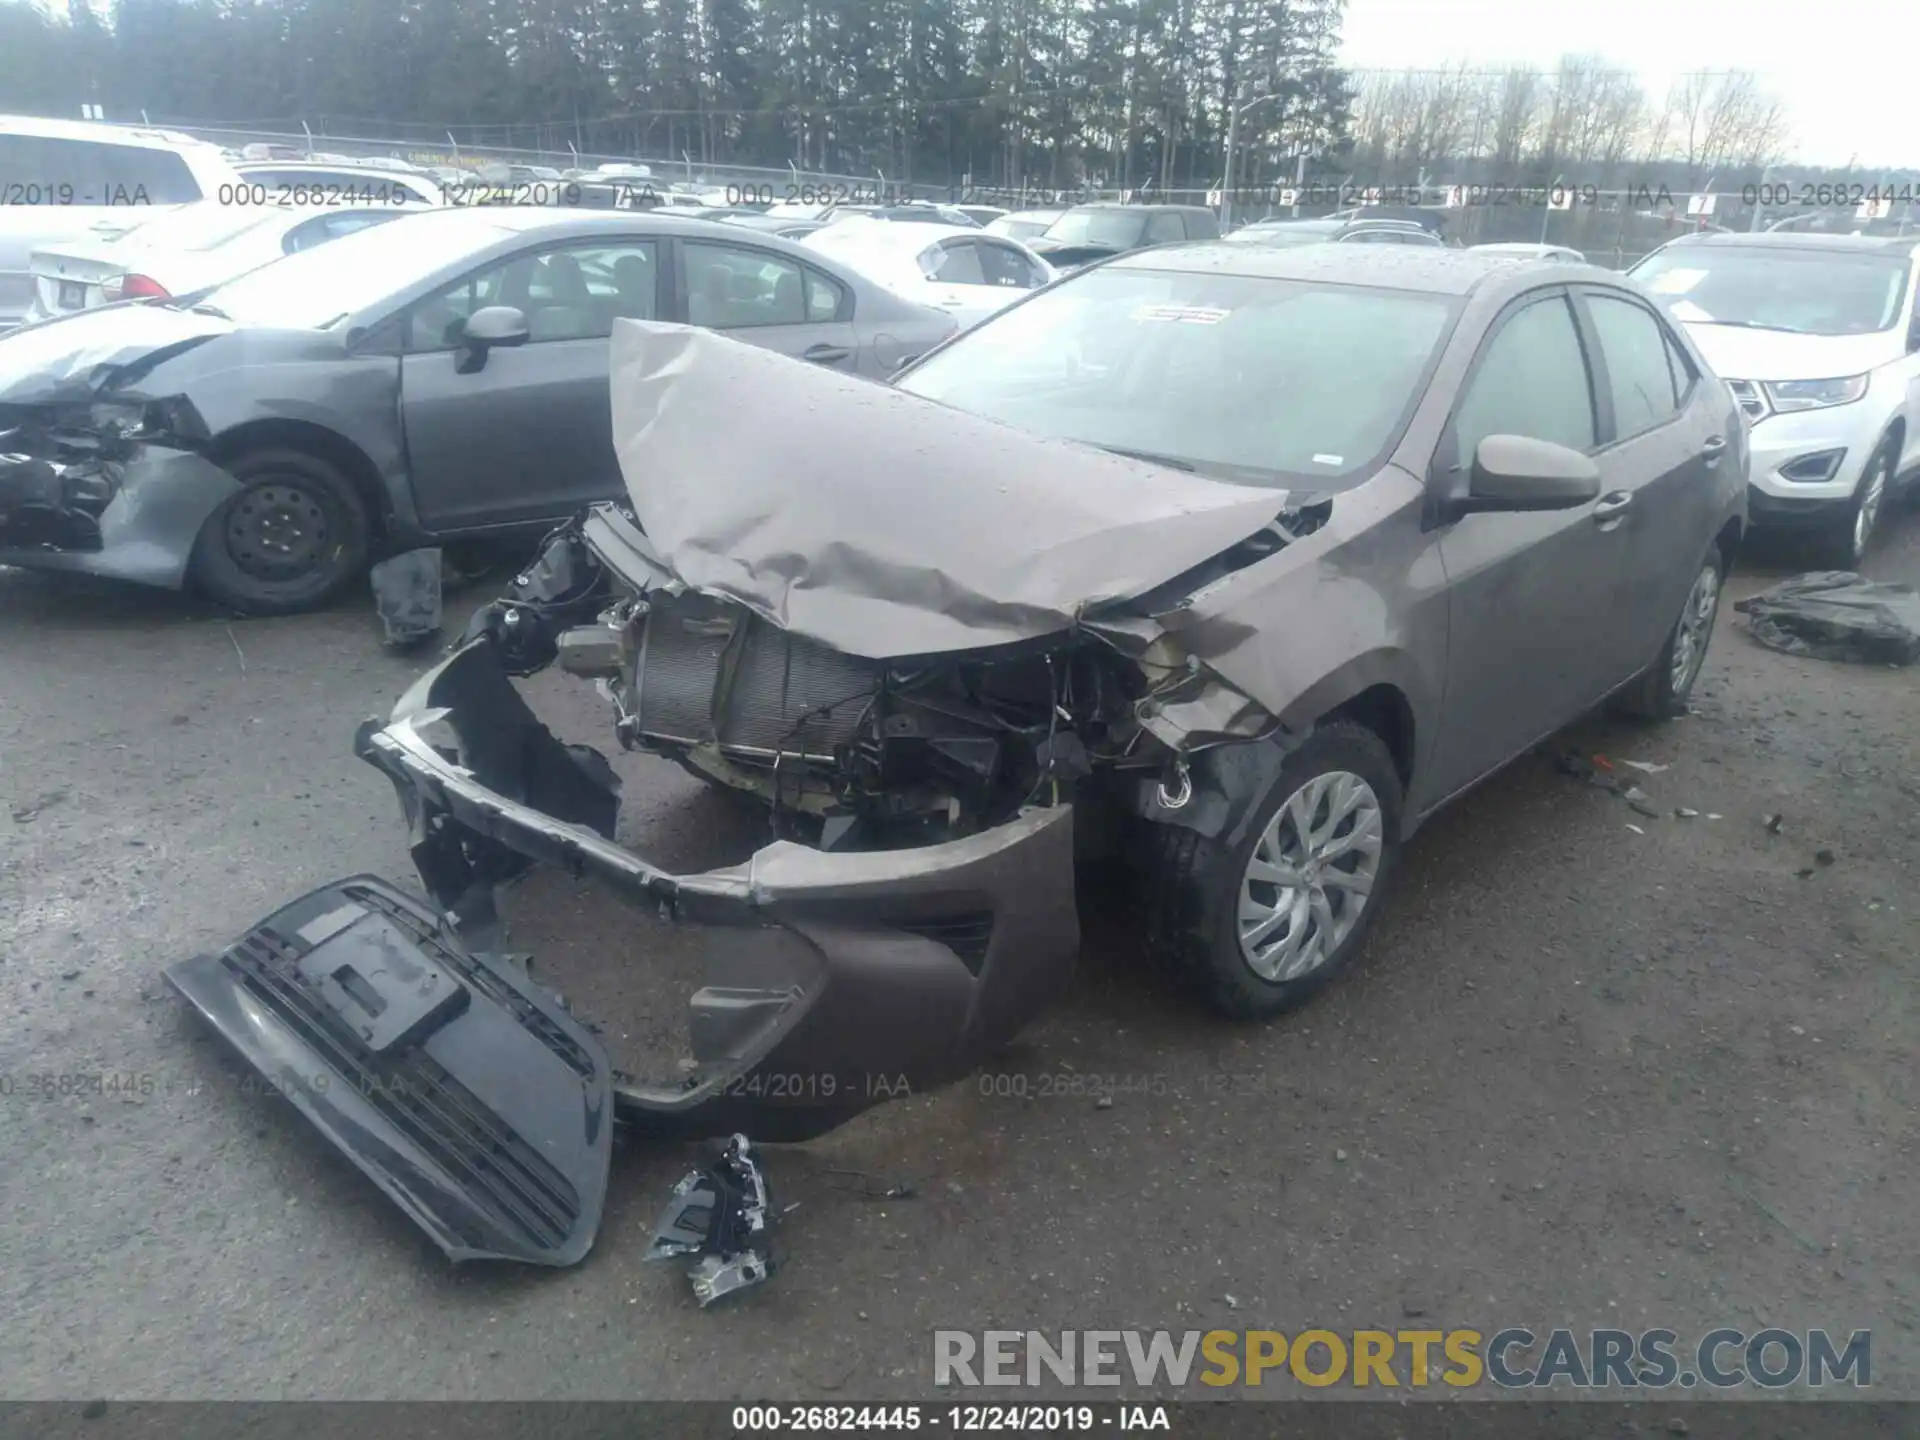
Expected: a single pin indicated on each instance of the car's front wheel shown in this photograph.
(1264, 923)
(1847, 543)
(293, 534)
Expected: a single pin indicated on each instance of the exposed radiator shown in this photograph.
(787, 694)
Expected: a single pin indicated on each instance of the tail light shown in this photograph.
(138, 287)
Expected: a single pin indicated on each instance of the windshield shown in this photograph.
(1097, 227)
(313, 289)
(1815, 292)
(1249, 379)
(1283, 234)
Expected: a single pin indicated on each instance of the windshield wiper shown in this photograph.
(1150, 457)
(1756, 325)
(213, 310)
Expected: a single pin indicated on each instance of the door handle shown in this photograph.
(825, 354)
(1713, 448)
(1611, 507)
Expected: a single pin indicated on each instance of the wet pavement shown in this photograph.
(1597, 1068)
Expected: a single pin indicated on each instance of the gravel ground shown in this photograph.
(1587, 1074)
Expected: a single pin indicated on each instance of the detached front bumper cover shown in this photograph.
(834, 981)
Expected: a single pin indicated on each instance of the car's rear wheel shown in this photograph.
(294, 534)
(1846, 545)
(1262, 924)
(1664, 690)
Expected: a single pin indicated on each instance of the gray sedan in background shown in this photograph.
(443, 376)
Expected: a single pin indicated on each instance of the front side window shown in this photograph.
(569, 293)
(1531, 380)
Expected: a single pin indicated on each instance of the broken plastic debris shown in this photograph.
(1646, 767)
(719, 1215)
(1636, 829)
(1681, 812)
(1774, 822)
(407, 593)
(1837, 615)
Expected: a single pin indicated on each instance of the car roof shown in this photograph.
(1433, 269)
(1141, 208)
(101, 132)
(912, 235)
(1795, 240)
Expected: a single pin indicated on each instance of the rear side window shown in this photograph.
(1004, 266)
(1202, 227)
(1639, 373)
(1532, 381)
(958, 263)
(1163, 227)
(43, 170)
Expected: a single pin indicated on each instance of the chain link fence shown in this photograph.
(1613, 226)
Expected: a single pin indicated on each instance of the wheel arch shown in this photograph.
(281, 433)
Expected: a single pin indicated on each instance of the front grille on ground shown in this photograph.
(788, 695)
(967, 935)
(416, 1095)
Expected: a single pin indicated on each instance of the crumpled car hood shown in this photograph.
(882, 524)
(76, 357)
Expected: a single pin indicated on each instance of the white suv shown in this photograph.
(1819, 338)
(64, 179)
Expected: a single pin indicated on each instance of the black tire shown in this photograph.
(1194, 891)
(1844, 546)
(1663, 691)
(295, 534)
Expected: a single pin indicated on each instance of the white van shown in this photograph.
(66, 179)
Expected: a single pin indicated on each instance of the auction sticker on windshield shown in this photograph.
(1184, 314)
(1675, 282)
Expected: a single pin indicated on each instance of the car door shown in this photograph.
(1664, 444)
(528, 434)
(1528, 593)
(769, 299)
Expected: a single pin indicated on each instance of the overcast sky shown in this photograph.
(1842, 66)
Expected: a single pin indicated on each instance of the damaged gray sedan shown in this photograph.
(441, 377)
(1232, 563)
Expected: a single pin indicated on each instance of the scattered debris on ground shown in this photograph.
(720, 1216)
(1837, 615)
(407, 593)
(32, 810)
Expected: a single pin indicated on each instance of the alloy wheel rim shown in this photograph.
(276, 531)
(1868, 515)
(1696, 628)
(1310, 876)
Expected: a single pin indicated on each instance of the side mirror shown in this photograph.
(485, 328)
(1513, 472)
